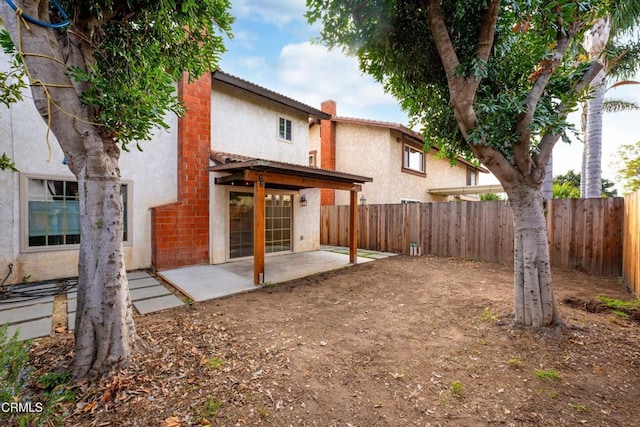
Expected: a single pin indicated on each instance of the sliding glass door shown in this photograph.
(278, 221)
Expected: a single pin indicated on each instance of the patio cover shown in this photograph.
(261, 174)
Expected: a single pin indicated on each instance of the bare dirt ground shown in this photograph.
(401, 341)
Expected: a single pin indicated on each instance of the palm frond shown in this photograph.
(618, 105)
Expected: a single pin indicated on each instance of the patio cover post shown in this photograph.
(258, 230)
(353, 227)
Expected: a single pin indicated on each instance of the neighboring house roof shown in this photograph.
(265, 93)
(467, 190)
(397, 127)
(234, 163)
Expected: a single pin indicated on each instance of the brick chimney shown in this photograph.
(180, 230)
(328, 149)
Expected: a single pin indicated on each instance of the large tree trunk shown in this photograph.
(534, 301)
(593, 139)
(104, 328)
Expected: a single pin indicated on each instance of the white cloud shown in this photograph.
(311, 74)
(245, 39)
(276, 12)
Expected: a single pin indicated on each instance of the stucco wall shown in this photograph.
(151, 174)
(376, 152)
(242, 123)
(247, 125)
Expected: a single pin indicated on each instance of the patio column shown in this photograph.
(258, 230)
(353, 227)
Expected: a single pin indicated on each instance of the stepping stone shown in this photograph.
(22, 314)
(33, 329)
(152, 305)
(20, 302)
(71, 321)
(72, 304)
(143, 283)
(133, 275)
(150, 292)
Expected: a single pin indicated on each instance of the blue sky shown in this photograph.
(272, 47)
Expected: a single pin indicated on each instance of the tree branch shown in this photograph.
(442, 40)
(548, 141)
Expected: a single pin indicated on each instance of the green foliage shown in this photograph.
(7, 163)
(457, 388)
(141, 49)
(618, 304)
(567, 186)
(565, 191)
(51, 407)
(14, 374)
(487, 197)
(215, 363)
(12, 82)
(547, 374)
(52, 379)
(394, 44)
(629, 166)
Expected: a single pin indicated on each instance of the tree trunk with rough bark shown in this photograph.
(104, 329)
(534, 301)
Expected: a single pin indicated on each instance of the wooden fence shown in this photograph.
(631, 243)
(584, 234)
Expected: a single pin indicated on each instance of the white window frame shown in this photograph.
(290, 122)
(24, 213)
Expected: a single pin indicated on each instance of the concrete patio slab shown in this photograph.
(203, 282)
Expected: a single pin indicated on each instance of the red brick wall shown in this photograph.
(180, 230)
(328, 150)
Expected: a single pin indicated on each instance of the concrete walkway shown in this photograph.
(204, 282)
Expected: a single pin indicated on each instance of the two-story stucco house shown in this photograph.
(191, 197)
(391, 154)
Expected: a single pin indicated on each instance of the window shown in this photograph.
(312, 158)
(472, 177)
(52, 217)
(412, 160)
(285, 129)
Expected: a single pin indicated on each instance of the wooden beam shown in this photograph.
(258, 230)
(230, 178)
(353, 228)
(300, 181)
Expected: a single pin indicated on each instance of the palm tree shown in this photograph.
(624, 17)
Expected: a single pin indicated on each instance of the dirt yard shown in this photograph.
(401, 341)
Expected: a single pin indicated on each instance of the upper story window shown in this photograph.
(472, 177)
(52, 213)
(413, 160)
(312, 158)
(284, 129)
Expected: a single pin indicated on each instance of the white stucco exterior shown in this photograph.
(245, 124)
(150, 175)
